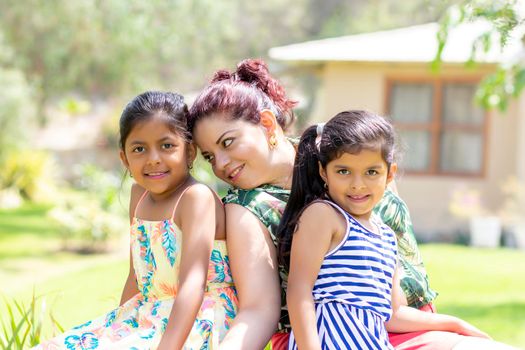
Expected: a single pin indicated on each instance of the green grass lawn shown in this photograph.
(483, 286)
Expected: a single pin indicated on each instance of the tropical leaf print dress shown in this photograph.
(140, 322)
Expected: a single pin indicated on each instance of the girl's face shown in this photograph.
(356, 182)
(157, 158)
(237, 150)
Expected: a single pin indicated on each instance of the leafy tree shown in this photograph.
(506, 21)
(17, 112)
(340, 17)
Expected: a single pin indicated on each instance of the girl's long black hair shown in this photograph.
(348, 131)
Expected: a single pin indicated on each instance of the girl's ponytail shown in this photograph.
(307, 186)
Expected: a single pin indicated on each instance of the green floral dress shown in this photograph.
(267, 204)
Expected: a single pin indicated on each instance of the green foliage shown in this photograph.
(503, 16)
(99, 47)
(346, 17)
(28, 172)
(22, 325)
(84, 225)
(93, 214)
(17, 112)
(74, 106)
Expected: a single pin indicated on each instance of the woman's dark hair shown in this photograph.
(349, 131)
(242, 94)
(167, 105)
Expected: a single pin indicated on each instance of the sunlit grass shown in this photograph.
(483, 286)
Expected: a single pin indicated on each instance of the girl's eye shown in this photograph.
(343, 171)
(167, 146)
(227, 142)
(138, 149)
(372, 172)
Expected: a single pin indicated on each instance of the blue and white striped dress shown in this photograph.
(352, 293)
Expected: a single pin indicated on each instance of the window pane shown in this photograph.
(459, 105)
(461, 152)
(411, 103)
(417, 153)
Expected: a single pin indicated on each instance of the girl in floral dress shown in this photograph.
(179, 293)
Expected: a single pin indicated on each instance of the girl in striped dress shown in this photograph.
(343, 292)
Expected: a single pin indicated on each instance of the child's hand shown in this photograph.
(465, 328)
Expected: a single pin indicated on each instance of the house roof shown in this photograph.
(410, 44)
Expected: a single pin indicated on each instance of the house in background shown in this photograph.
(450, 143)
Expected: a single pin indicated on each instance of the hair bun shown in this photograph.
(253, 71)
(221, 75)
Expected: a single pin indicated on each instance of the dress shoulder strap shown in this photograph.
(140, 201)
(347, 220)
(177, 202)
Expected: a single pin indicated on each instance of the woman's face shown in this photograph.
(237, 150)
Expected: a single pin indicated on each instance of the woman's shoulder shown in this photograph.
(198, 192)
(394, 212)
(266, 203)
(256, 196)
(239, 196)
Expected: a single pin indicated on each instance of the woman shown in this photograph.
(239, 121)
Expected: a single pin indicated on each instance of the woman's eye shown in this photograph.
(138, 149)
(372, 172)
(227, 142)
(343, 171)
(167, 146)
(208, 157)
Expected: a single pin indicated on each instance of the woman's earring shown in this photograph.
(272, 141)
(325, 186)
(190, 166)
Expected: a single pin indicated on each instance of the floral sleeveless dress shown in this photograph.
(140, 322)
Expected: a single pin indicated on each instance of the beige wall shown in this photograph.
(362, 86)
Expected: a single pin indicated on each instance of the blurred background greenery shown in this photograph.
(66, 70)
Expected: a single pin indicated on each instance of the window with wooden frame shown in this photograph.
(443, 130)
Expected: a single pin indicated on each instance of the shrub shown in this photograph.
(91, 214)
(27, 173)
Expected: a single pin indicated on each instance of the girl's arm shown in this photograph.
(315, 236)
(407, 319)
(253, 262)
(130, 288)
(197, 222)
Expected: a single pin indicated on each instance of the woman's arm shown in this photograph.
(407, 319)
(316, 235)
(253, 262)
(197, 223)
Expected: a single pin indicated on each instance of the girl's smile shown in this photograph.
(157, 157)
(357, 181)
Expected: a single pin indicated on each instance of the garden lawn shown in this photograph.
(483, 286)
(75, 286)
